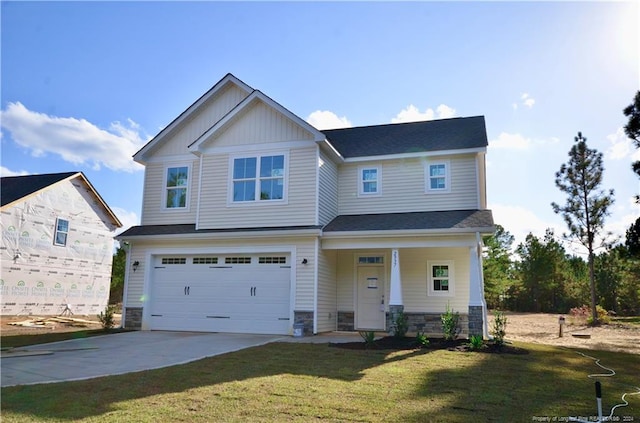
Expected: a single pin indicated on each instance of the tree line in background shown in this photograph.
(540, 275)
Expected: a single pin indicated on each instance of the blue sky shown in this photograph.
(85, 84)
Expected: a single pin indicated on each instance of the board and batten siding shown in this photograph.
(328, 189)
(403, 187)
(260, 124)
(200, 121)
(413, 275)
(327, 295)
(298, 210)
(304, 275)
(153, 210)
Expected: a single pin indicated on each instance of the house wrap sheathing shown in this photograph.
(41, 276)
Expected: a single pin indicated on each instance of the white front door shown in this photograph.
(370, 312)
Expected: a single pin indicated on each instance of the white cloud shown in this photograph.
(527, 100)
(8, 172)
(127, 218)
(412, 114)
(76, 141)
(520, 221)
(324, 119)
(510, 141)
(621, 147)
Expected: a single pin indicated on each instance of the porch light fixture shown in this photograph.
(135, 265)
(305, 261)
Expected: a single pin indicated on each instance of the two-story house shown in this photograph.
(254, 220)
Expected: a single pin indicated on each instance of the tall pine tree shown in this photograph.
(587, 205)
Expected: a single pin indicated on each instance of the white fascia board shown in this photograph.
(378, 243)
(331, 150)
(407, 232)
(177, 122)
(227, 235)
(416, 155)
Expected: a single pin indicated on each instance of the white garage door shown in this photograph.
(221, 293)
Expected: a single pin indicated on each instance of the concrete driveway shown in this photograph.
(117, 354)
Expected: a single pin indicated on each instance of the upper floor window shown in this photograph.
(61, 232)
(258, 178)
(176, 187)
(437, 177)
(369, 180)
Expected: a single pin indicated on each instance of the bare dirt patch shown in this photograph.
(36, 325)
(543, 328)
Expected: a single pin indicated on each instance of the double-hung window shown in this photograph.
(61, 232)
(440, 278)
(437, 177)
(369, 180)
(176, 187)
(258, 178)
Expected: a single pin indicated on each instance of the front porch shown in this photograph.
(373, 285)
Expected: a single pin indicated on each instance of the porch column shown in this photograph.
(476, 295)
(396, 306)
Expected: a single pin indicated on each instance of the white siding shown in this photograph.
(328, 201)
(345, 280)
(197, 124)
(403, 187)
(413, 268)
(153, 211)
(413, 273)
(327, 295)
(304, 275)
(260, 124)
(299, 209)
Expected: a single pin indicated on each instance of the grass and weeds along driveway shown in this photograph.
(317, 382)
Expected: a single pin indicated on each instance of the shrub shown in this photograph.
(421, 339)
(582, 315)
(107, 318)
(368, 337)
(401, 326)
(450, 326)
(499, 328)
(476, 342)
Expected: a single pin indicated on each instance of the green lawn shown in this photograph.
(316, 382)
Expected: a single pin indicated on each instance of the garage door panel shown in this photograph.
(246, 298)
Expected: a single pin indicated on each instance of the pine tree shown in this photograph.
(587, 205)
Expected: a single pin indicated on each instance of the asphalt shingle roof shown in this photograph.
(413, 137)
(13, 188)
(455, 219)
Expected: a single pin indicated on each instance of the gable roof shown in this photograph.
(256, 95)
(184, 116)
(16, 188)
(457, 220)
(413, 137)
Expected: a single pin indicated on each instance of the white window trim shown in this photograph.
(187, 205)
(361, 192)
(55, 232)
(258, 202)
(447, 177)
(430, 291)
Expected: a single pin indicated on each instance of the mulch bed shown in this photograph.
(408, 343)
